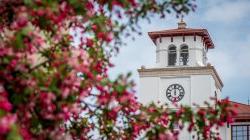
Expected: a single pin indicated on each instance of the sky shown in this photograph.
(228, 23)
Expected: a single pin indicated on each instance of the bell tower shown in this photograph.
(181, 74)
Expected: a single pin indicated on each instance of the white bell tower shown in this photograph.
(181, 74)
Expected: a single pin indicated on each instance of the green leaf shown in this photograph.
(14, 135)
(28, 2)
(119, 88)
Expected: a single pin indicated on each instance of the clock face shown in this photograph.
(175, 92)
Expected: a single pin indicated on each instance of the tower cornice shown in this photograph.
(182, 71)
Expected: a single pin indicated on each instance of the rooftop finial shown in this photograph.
(182, 24)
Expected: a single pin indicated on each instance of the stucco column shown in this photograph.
(177, 56)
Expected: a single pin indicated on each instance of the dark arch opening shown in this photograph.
(171, 55)
(184, 55)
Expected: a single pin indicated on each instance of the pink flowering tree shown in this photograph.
(54, 58)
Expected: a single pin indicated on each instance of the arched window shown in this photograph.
(171, 55)
(184, 55)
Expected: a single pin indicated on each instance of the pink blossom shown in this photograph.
(6, 122)
(5, 105)
(94, 27)
(40, 12)
(103, 99)
(65, 92)
(167, 136)
(47, 98)
(66, 112)
(89, 42)
(89, 5)
(25, 134)
(22, 21)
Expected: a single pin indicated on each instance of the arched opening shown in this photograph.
(184, 55)
(171, 55)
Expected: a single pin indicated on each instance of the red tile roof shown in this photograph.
(242, 110)
(184, 32)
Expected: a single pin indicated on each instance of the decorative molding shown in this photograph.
(159, 50)
(199, 49)
(182, 71)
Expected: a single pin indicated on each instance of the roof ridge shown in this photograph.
(240, 103)
(181, 29)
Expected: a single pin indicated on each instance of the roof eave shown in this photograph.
(201, 32)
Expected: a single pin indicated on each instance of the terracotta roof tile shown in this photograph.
(242, 110)
(183, 32)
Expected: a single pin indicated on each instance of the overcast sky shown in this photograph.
(227, 21)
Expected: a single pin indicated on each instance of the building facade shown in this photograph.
(181, 74)
(240, 128)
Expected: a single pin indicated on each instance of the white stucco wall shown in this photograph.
(197, 50)
(198, 88)
(225, 132)
(148, 91)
